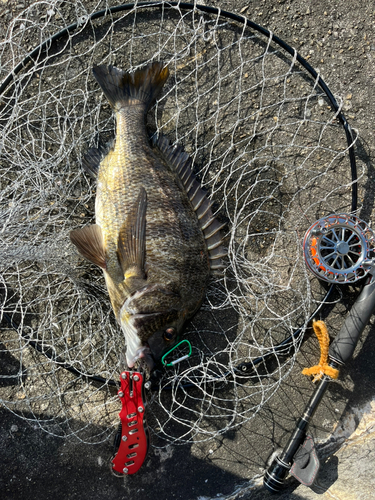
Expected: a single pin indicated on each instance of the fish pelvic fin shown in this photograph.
(181, 162)
(126, 89)
(132, 341)
(131, 244)
(90, 244)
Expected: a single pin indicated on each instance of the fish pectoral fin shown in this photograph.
(131, 244)
(132, 283)
(90, 244)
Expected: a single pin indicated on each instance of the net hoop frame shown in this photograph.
(37, 52)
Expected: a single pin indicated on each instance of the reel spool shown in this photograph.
(339, 248)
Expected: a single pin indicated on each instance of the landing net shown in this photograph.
(267, 145)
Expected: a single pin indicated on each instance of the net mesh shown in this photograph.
(266, 145)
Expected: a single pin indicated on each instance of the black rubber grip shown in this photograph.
(343, 346)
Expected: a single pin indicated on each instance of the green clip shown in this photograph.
(179, 359)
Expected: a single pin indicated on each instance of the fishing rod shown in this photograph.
(338, 249)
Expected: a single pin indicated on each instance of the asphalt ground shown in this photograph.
(337, 38)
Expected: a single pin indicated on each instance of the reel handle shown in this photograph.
(342, 348)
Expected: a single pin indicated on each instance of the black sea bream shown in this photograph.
(155, 236)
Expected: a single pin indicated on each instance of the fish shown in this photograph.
(155, 236)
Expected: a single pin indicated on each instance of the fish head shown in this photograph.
(152, 323)
(149, 336)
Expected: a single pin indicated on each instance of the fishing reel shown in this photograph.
(339, 249)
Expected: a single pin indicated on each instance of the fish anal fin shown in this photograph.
(131, 244)
(90, 244)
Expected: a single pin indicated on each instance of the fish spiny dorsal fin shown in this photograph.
(210, 226)
(92, 159)
(132, 239)
(126, 89)
(89, 242)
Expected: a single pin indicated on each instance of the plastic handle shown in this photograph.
(134, 441)
(343, 346)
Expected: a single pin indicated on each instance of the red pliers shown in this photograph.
(134, 441)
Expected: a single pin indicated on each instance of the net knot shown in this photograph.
(320, 330)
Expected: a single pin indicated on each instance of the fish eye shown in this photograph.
(169, 334)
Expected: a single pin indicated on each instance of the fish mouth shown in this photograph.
(145, 355)
(136, 348)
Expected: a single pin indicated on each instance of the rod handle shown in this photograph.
(342, 348)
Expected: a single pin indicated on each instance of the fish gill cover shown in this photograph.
(267, 147)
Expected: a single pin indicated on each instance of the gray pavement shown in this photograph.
(336, 37)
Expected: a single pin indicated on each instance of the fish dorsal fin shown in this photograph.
(211, 227)
(90, 244)
(92, 159)
(132, 238)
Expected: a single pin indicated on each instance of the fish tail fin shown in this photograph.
(127, 89)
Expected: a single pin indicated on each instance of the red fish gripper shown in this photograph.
(134, 435)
